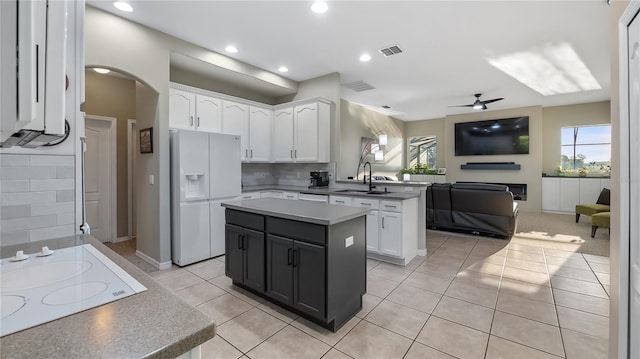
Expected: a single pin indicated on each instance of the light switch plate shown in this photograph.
(348, 242)
(151, 179)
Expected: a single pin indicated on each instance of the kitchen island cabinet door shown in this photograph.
(234, 253)
(253, 244)
(309, 279)
(280, 269)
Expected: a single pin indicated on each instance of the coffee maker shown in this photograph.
(318, 179)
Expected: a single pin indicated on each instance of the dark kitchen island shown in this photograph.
(307, 257)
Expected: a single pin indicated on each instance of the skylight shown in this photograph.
(550, 70)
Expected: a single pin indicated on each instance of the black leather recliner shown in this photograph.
(476, 208)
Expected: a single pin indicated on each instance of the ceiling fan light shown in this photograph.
(478, 106)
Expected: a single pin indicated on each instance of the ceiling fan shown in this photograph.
(480, 105)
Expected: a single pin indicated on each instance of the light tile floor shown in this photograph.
(471, 297)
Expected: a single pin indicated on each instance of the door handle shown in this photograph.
(289, 256)
(291, 153)
(246, 152)
(240, 241)
(382, 222)
(296, 258)
(251, 152)
(198, 123)
(295, 153)
(190, 120)
(245, 242)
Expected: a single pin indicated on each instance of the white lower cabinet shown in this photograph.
(392, 228)
(373, 235)
(561, 194)
(390, 234)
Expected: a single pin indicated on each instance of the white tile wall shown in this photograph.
(37, 194)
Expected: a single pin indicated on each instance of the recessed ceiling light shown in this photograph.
(319, 7)
(231, 49)
(283, 69)
(365, 57)
(101, 70)
(123, 6)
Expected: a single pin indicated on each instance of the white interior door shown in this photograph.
(99, 171)
(634, 185)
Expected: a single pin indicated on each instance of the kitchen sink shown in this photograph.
(360, 191)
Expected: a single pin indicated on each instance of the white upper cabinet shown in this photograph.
(301, 132)
(182, 109)
(282, 144)
(208, 114)
(297, 131)
(235, 121)
(190, 111)
(305, 123)
(260, 134)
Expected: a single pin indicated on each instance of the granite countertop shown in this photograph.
(310, 212)
(151, 324)
(334, 191)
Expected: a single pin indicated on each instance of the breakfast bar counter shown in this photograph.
(151, 324)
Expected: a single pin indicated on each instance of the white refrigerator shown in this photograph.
(205, 171)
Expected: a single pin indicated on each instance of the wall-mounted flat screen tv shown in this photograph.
(507, 136)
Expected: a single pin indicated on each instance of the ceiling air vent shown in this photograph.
(391, 50)
(359, 86)
(385, 107)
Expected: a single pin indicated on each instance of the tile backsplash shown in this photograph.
(289, 174)
(37, 196)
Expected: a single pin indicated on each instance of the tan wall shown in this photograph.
(358, 122)
(554, 118)
(185, 77)
(531, 164)
(112, 96)
(433, 127)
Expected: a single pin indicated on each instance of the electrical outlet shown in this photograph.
(348, 242)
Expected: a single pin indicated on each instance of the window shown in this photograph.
(422, 150)
(586, 147)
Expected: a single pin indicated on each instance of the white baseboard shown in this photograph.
(153, 262)
(121, 239)
(422, 252)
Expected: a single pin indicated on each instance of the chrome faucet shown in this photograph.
(364, 168)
